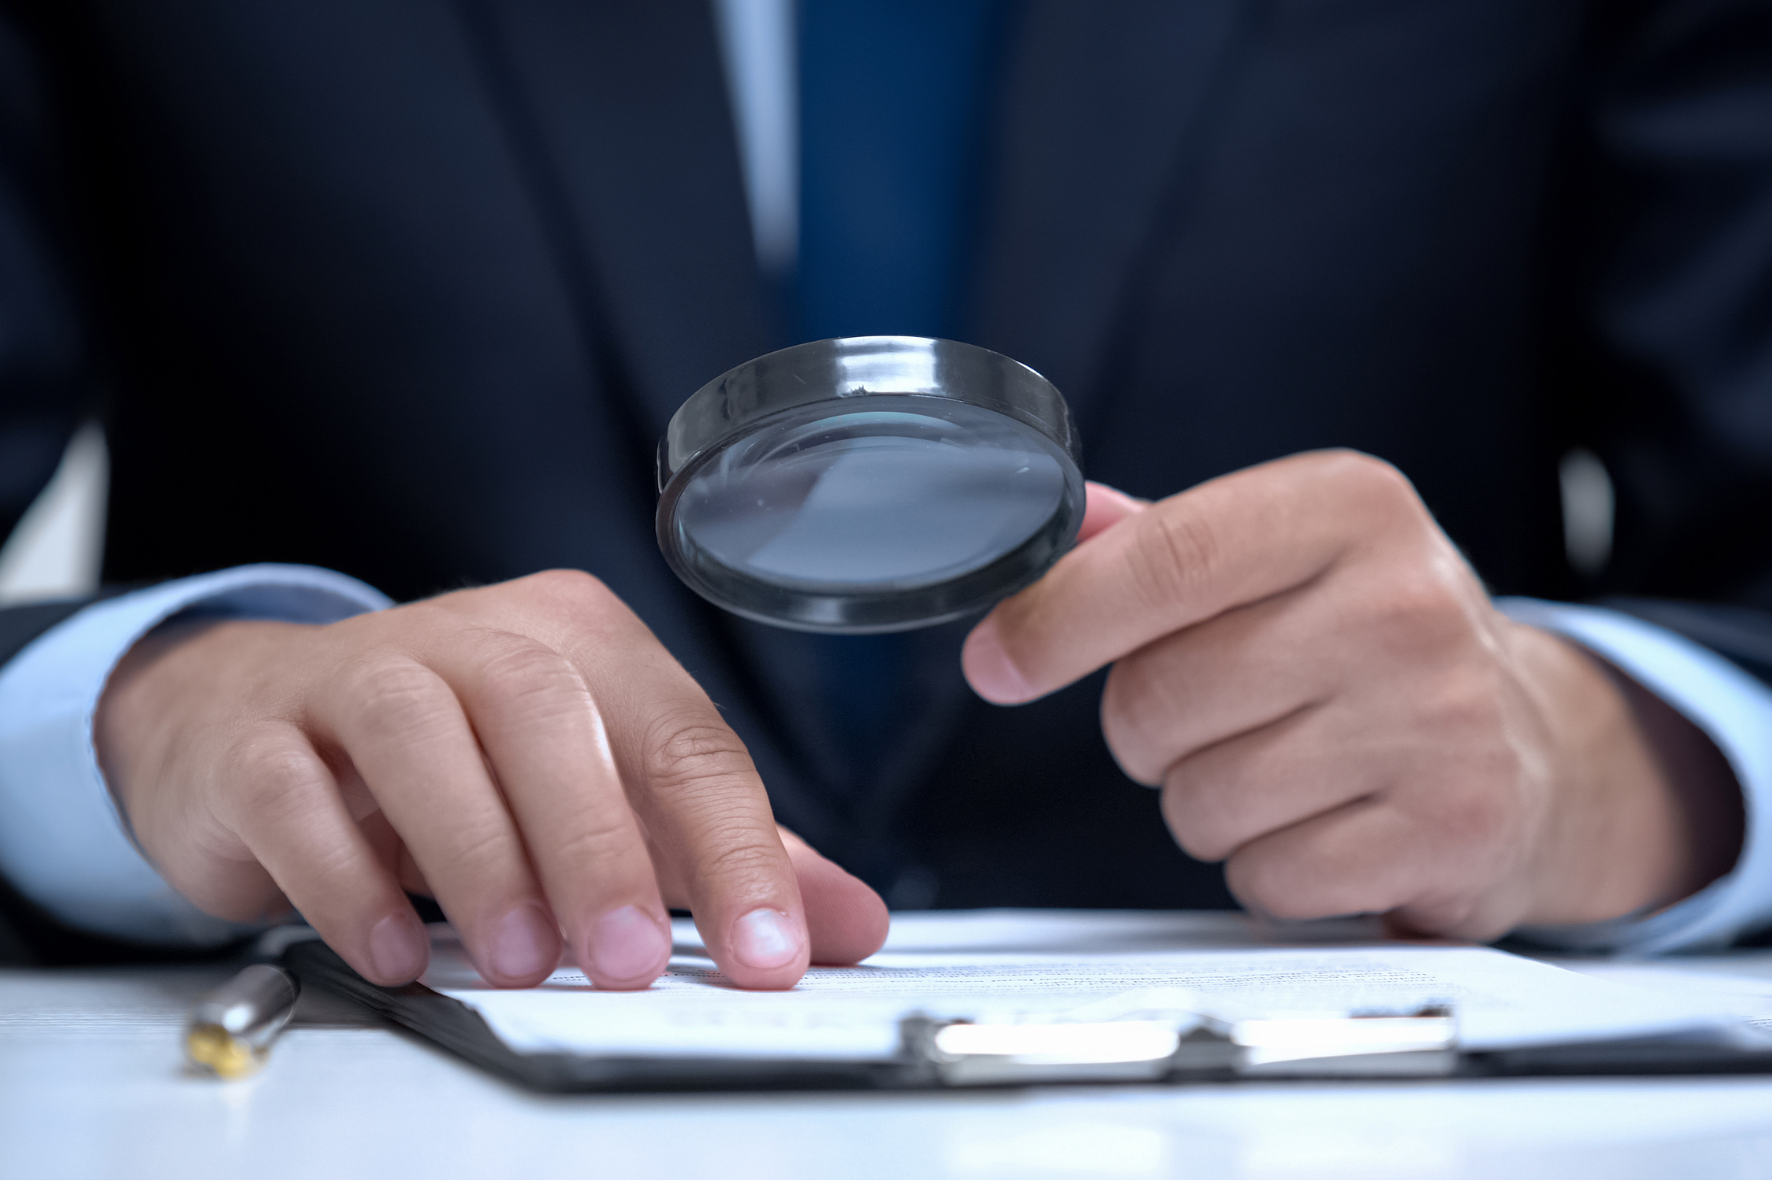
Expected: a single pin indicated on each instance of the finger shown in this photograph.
(846, 920)
(1233, 792)
(1231, 675)
(1230, 541)
(1105, 507)
(404, 731)
(292, 819)
(693, 785)
(1368, 857)
(541, 729)
(1357, 859)
(709, 820)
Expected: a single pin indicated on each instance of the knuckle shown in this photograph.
(475, 849)
(686, 753)
(1372, 490)
(1369, 477)
(594, 840)
(575, 587)
(1183, 556)
(741, 860)
(531, 676)
(1417, 601)
(276, 780)
(1423, 610)
(389, 696)
(1466, 702)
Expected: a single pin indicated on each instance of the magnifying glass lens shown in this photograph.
(796, 491)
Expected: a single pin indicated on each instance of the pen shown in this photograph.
(229, 1031)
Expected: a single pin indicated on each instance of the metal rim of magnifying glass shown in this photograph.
(825, 378)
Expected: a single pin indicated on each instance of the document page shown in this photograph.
(1031, 965)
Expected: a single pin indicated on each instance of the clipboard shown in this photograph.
(947, 1053)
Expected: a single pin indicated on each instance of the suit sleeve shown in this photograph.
(1679, 308)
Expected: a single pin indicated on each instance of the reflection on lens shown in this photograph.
(876, 499)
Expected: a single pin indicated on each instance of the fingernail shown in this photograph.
(524, 944)
(989, 668)
(398, 948)
(627, 943)
(765, 939)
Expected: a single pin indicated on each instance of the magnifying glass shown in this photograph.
(869, 484)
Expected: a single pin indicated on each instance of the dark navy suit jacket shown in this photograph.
(408, 289)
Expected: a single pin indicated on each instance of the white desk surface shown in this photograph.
(92, 1085)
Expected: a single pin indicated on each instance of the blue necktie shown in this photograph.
(892, 97)
(892, 111)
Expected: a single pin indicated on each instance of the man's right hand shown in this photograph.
(526, 753)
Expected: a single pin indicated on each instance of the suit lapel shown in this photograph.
(1103, 117)
(631, 140)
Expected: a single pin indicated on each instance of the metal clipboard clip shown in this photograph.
(1157, 1046)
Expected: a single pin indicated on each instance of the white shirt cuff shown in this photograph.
(1735, 710)
(63, 843)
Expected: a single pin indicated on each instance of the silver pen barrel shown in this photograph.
(229, 1031)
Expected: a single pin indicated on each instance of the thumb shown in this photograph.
(845, 919)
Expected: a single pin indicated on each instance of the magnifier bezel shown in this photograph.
(830, 378)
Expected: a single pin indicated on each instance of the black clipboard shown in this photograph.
(1203, 1056)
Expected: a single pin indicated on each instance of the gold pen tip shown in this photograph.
(220, 1052)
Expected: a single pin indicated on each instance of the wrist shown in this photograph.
(1641, 809)
(1708, 805)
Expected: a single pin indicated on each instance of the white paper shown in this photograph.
(1001, 965)
(1712, 981)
